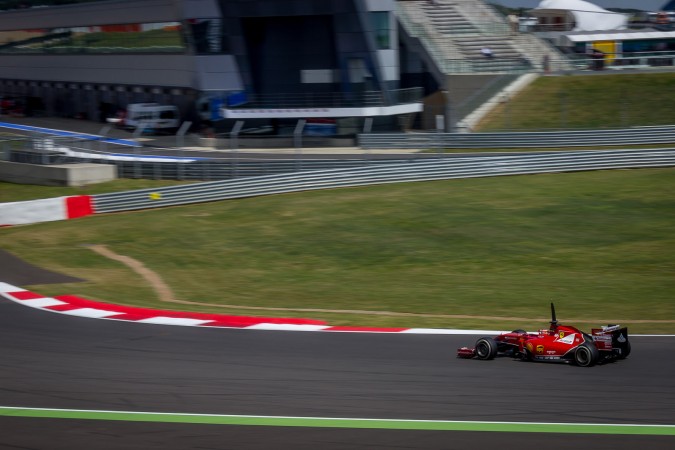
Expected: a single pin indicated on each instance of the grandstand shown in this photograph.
(456, 30)
(363, 61)
(452, 33)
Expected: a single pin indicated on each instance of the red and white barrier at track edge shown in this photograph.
(45, 210)
(77, 306)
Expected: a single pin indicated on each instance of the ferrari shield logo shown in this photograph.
(540, 349)
(562, 334)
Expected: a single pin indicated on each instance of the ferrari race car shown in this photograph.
(558, 343)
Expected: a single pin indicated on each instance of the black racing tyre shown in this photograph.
(486, 348)
(626, 351)
(586, 355)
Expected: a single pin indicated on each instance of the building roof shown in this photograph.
(586, 15)
(619, 36)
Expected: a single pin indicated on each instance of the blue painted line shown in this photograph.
(91, 137)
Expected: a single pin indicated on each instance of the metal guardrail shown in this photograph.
(147, 163)
(331, 99)
(227, 169)
(414, 170)
(551, 139)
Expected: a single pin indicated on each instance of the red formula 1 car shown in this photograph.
(558, 343)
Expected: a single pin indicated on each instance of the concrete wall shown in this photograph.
(56, 175)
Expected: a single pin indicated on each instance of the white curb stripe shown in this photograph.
(286, 327)
(6, 287)
(91, 312)
(446, 331)
(161, 320)
(43, 302)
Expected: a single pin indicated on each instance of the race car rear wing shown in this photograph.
(610, 337)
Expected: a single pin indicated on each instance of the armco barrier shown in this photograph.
(413, 170)
(542, 139)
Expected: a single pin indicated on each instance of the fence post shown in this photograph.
(180, 134)
(367, 129)
(449, 113)
(563, 110)
(297, 141)
(234, 143)
(102, 147)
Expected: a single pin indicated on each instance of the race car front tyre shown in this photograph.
(486, 348)
(586, 355)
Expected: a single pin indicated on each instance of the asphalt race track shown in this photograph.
(54, 361)
(50, 360)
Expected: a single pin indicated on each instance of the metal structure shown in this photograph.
(580, 138)
(386, 172)
(156, 163)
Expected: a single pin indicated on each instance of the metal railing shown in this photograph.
(495, 65)
(581, 138)
(415, 170)
(149, 163)
(330, 99)
(643, 60)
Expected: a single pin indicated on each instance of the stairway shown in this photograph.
(446, 19)
(456, 30)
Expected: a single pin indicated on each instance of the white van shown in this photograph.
(152, 116)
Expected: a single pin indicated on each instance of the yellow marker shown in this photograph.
(155, 196)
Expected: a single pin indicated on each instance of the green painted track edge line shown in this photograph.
(325, 422)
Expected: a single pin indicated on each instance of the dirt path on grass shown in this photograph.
(163, 290)
(165, 294)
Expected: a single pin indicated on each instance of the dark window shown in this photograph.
(207, 35)
(382, 26)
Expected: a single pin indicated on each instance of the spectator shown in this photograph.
(597, 59)
(514, 23)
(487, 52)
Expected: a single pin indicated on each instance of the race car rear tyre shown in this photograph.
(486, 348)
(626, 351)
(586, 355)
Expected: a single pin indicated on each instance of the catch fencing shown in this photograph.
(386, 172)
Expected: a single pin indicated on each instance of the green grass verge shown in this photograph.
(587, 101)
(327, 422)
(600, 244)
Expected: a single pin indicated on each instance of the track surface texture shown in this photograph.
(50, 360)
(53, 361)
